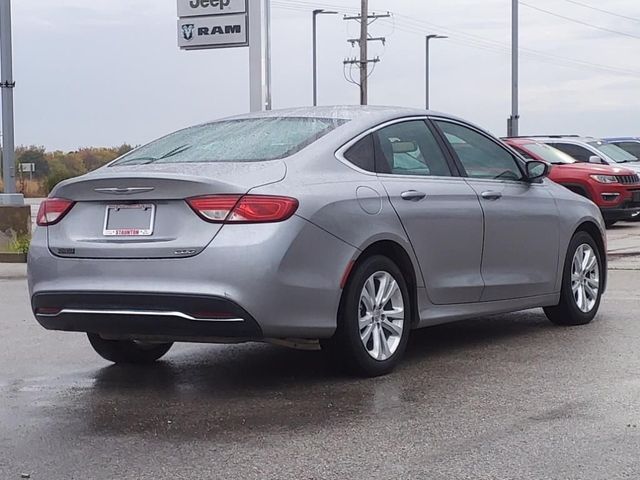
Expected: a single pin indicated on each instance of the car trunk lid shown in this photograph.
(140, 211)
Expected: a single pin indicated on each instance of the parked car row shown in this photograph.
(605, 171)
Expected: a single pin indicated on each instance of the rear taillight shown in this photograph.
(243, 208)
(52, 210)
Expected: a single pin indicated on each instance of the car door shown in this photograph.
(440, 212)
(521, 239)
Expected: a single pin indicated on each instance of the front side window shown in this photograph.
(409, 148)
(581, 154)
(245, 140)
(480, 156)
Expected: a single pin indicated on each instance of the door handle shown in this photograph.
(491, 195)
(413, 195)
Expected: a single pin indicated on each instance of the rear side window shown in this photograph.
(581, 154)
(362, 154)
(245, 140)
(409, 148)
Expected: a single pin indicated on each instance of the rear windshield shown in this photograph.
(247, 140)
(614, 152)
(549, 154)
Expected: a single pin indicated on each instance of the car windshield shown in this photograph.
(549, 154)
(246, 140)
(614, 152)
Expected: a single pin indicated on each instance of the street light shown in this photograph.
(428, 39)
(315, 50)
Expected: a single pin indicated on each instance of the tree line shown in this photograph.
(53, 167)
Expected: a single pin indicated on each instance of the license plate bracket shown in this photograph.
(129, 220)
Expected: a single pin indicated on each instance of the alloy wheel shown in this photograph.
(585, 278)
(381, 315)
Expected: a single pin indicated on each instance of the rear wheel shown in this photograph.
(374, 319)
(128, 351)
(581, 283)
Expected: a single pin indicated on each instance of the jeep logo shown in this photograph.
(221, 4)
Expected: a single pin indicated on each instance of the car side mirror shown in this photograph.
(537, 170)
(595, 159)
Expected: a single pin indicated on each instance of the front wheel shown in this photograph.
(581, 283)
(128, 351)
(374, 319)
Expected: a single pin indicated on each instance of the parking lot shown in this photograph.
(509, 396)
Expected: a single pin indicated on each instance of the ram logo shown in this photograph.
(187, 31)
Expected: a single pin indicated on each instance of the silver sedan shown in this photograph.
(344, 228)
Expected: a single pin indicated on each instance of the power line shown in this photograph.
(608, 12)
(580, 22)
(418, 27)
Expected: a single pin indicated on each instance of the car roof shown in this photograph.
(622, 139)
(359, 118)
(568, 139)
(520, 140)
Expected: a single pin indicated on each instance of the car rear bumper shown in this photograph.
(283, 278)
(135, 315)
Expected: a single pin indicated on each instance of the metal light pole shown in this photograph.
(7, 84)
(513, 127)
(428, 39)
(259, 55)
(315, 50)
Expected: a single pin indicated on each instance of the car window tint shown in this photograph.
(409, 148)
(362, 154)
(480, 156)
(632, 147)
(581, 154)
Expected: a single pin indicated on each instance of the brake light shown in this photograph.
(243, 208)
(52, 210)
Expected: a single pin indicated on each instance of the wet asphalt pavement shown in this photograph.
(507, 397)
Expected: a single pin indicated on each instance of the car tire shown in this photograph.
(128, 351)
(369, 341)
(578, 303)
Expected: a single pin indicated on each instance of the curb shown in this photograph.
(13, 258)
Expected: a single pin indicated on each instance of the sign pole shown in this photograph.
(260, 55)
(7, 84)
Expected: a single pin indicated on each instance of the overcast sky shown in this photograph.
(104, 72)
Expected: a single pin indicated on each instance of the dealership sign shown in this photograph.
(212, 24)
(198, 8)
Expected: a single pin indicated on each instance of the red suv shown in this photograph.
(615, 190)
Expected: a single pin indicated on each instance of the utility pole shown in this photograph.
(427, 73)
(513, 127)
(315, 50)
(364, 52)
(7, 84)
(363, 62)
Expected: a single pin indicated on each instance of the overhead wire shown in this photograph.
(580, 22)
(419, 27)
(602, 10)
